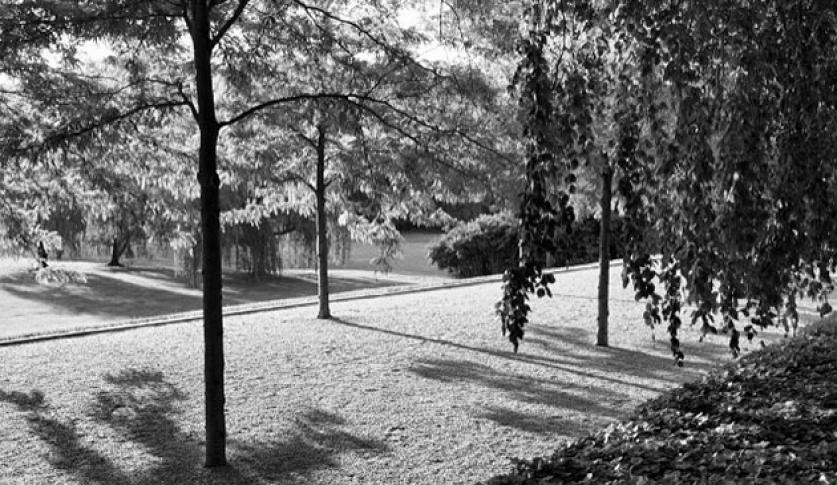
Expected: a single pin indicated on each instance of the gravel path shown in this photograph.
(415, 389)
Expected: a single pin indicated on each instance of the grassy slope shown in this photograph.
(417, 389)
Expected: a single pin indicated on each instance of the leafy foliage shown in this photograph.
(720, 117)
(768, 418)
(738, 117)
(486, 245)
(489, 244)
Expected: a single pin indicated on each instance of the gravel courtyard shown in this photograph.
(415, 389)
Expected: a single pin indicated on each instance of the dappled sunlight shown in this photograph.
(117, 294)
(138, 411)
(382, 393)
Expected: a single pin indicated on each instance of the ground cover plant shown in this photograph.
(769, 418)
(402, 389)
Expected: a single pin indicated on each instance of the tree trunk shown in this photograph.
(322, 229)
(604, 256)
(211, 235)
(118, 250)
(114, 253)
(42, 255)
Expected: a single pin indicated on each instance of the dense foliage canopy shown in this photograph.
(725, 142)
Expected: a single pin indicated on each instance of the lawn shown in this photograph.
(413, 260)
(148, 288)
(415, 388)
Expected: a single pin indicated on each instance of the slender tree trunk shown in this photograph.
(114, 253)
(604, 256)
(42, 255)
(322, 229)
(211, 229)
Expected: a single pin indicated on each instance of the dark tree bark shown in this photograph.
(211, 232)
(42, 255)
(322, 229)
(117, 250)
(604, 256)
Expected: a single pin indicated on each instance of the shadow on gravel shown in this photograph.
(582, 368)
(581, 398)
(140, 406)
(540, 424)
(565, 341)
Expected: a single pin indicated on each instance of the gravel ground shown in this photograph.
(415, 389)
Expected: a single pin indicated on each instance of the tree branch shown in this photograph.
(292, 177)
(101, 123)
(239, 9)
(187, 100)
(278, 101)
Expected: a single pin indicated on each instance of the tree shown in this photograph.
(734, 121)
(574, 84)
(746, 130)
(233, 44)
(364, 150)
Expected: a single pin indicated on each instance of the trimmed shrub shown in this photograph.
(486, 245)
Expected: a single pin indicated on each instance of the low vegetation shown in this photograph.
(770, 418)
(489, 244)
(486, 245)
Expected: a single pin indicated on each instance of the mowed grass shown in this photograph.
(147, 288)
(416, 389)
(412, 261)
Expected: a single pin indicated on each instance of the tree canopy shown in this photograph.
(728, 153)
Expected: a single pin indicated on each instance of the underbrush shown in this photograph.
(769, 418)
(58, 276)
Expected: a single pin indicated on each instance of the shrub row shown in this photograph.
(488, 245)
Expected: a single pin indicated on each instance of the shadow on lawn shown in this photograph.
(124, 293)
(140, 406)
(103, 295)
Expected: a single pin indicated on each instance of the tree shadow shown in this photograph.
(109, 295)
(656, 363)
(523, 388)
(543, 424)
(104, 295)
(140, 406)
(315, 443)
(599, 382)
(240, 288)
(603, 369)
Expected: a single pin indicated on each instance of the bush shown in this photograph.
(486, 245)
(582, 246)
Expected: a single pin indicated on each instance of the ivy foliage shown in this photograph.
(726, 148)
